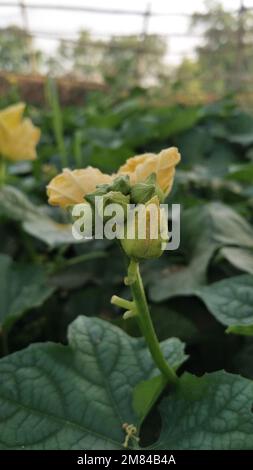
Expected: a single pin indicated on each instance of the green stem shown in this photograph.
(146, 326)
(78, 148)
(53, 99)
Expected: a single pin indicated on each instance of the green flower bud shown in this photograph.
(121, 184)
(100, 191)
(113, 193)
(99, 200)
(113, 197)
(153, 223)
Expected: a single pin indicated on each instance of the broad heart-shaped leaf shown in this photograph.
(241, 258)
(213, 412)
(146, 393)
(22, 287)
(231, 302)
(203, 230)
(178, 120)
(76, 396)
(242, 139)
(15, 205)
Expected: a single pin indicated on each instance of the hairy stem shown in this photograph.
(146, 326)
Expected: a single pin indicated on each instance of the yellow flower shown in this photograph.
(18, 136)
(69, 187)
(163, 165)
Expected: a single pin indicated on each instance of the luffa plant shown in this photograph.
(96, 392)
(147, 179)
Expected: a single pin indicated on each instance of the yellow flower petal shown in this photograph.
(18, 138)
(70, 187)
(163, 165)
(12, 115)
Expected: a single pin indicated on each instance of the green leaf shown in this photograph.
(22, 287)
(219, 160)
(230, 300)
(221, 226)
(146, 393)
(240, 330)
(169, 323)
(240, 127)
(241, 258)
(176, 120)
(242, 173)
(178, 280)
(203, 230)
(109, 159)
(193, 145)
(50, 232)
(76, 396)
(242, 139)
(15, 205)
(212, 412)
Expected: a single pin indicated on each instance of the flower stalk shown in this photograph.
(140, 310)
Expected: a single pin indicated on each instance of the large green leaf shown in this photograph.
(212, 412)
(242, 173)
(15, 205)
(179, 279)
(231, 302)
(241, 258)
(240, 128)
(22, 287)
(213, 225)
(220, 158)
(146, 393)
(177, 120)
(76, 396)
(242, 139)
(203, 230)
(169, 323)
(193, 145)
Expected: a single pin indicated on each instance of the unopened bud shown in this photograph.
(146, 232)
